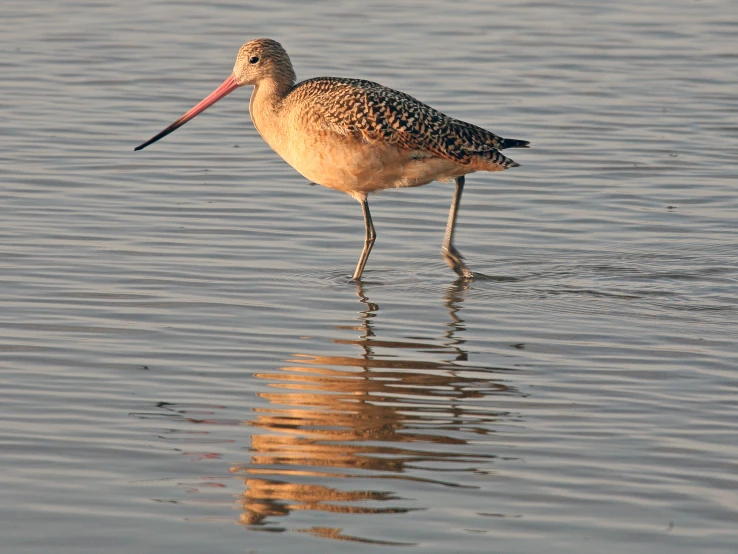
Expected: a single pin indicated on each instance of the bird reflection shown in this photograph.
(397, 409)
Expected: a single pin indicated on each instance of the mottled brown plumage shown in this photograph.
(379, 113)
(358, 136)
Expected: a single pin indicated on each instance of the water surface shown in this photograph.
(185, 368)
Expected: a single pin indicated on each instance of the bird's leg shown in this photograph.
(371, 236)
(452, 256)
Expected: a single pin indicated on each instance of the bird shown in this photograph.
(357, 136)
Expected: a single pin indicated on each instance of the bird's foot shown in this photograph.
(455, 261)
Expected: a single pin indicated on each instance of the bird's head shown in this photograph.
(258, 61)
(263, 59)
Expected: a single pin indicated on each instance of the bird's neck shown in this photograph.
(268, 95)
(266, 107)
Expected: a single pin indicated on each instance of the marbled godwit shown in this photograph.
(357, 136)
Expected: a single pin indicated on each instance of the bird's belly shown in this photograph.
(358, 167)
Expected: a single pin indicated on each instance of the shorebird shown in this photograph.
(357, 136)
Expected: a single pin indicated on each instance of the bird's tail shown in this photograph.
(492, 160)
(513, 143)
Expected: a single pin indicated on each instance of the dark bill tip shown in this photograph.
(228, 86)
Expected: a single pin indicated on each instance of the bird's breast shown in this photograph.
(349, 162)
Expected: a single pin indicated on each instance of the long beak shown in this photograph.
(228, 86)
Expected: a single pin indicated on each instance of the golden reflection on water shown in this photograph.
(383, 414)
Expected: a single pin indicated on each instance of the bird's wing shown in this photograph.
(375, 112)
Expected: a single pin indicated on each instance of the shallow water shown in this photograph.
(184, 364)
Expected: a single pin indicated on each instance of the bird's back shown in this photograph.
(379, 113)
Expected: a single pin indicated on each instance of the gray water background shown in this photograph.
(184, 367)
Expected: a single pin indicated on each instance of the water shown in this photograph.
(186, 369)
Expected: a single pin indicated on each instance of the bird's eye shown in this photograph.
(254, 59)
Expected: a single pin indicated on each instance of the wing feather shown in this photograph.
(374, 112)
